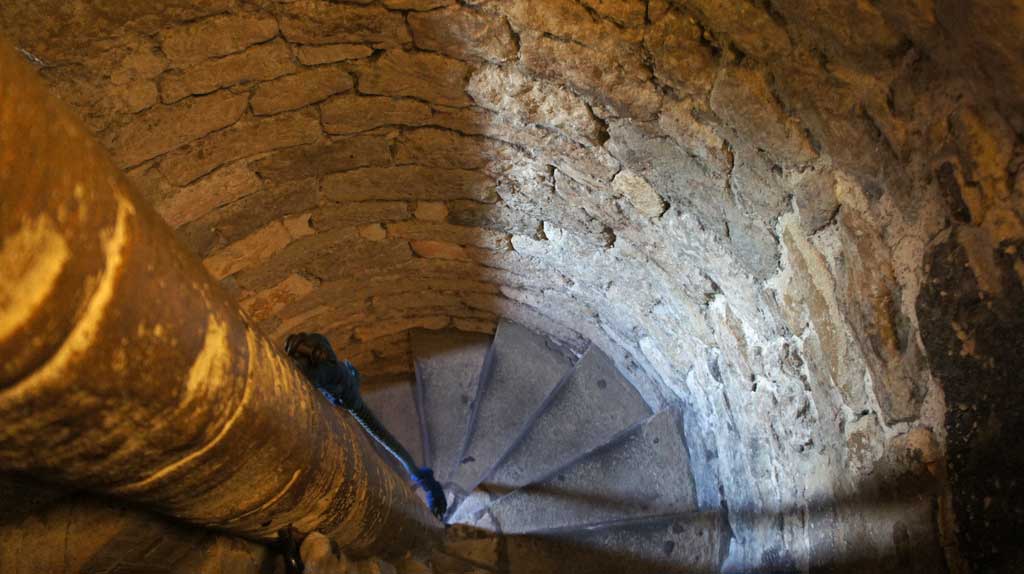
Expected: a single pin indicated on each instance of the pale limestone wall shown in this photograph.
(801, 220)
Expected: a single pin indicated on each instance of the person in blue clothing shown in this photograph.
(338, 381)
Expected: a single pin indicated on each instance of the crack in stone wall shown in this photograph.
(736, 200)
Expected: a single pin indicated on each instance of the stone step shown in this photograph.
(644, 471)
(393, 401)
(448, 368)
(595, 404)
(524, 369)
(687, 543)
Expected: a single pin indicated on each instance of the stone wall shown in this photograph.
(801, 221)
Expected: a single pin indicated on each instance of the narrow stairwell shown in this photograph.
(552, 464)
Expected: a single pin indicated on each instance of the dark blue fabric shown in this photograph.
(338, 382)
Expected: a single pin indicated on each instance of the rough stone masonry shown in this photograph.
(799, 220)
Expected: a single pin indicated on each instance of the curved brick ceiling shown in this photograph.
(770, 212)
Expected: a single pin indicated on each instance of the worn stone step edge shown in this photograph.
(626, 522)
(486, 373)
(611, 443)
(524, 431)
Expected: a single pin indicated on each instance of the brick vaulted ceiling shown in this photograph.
(770, 212)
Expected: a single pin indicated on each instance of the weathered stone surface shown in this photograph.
(215, 36)
(420, 75)
(335, 215)
(262, 62)
(431, 211)
(262, 305)
(816, 200)
(248, 251)
(675, 176)
(463, 33)
(743, 99)
(622, 12)
(298, 90)
(408, 182)
(352, 114)
(500, 216)
(639, 193)
(164, 128)
(509, 92)
(452, 233)
(238, 219)
(438, 249)
(219, 188)
(680, 58)
(319, 557)
(342, 154)
(750, 27)
(323, 22)
(420, 5)
(319, 254)
(330, 53)
(611, 76)
(678, 121)
(443, 148)
(247, 138)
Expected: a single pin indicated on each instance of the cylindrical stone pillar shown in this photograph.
(125, 369)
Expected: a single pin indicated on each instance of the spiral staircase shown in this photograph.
(551, 463)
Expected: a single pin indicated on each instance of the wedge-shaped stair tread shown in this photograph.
(393, 400)
(448, 365)
(525, 368)
(691, 543)
(643, 472)
(592, 406)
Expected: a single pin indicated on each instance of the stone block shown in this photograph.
(639, 193)
(248, 251)
(463, 33)
(745, 102)
(319, 557)
(262, 305)
(417, 5)
(431, 211)
(681, 60)
(301, 89)
(247, 138)
(215, 36)
(161, 129)
(751, 28)
(335, 215)
(324, 22)
(816, 200)
(510, 93)
(261, 62)
(408, 183)
(219, 188)
(672, 172)
(241, 217)
(438, 249)
(434, 147)
(351, 113)
(457, 234)
(330, 53)
(343, 154)
(420, 75)
(373, 331)
(613, 76)
(373, 232)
